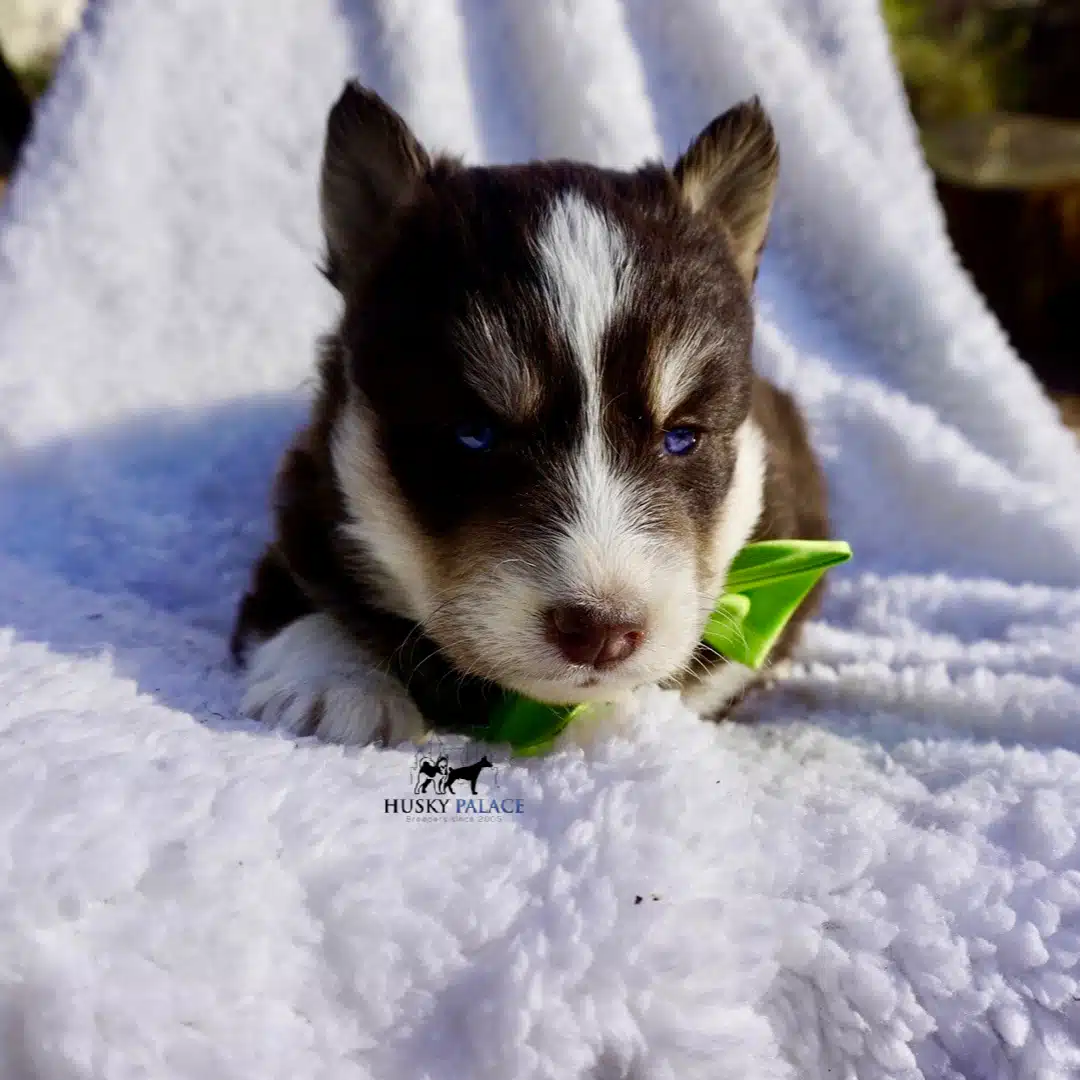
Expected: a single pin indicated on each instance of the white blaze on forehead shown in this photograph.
(586, 267)
(606, 554)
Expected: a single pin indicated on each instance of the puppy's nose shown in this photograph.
(584, 636)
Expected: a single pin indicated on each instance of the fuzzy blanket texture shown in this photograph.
(880, 878)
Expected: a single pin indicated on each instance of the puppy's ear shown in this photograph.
(729, 174)
(372, 166)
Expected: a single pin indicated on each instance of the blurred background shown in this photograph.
(994, 86)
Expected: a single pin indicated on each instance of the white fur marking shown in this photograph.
(742, 510)
(745, 498)
(607, 556)
(589, 276)
(312, 678)
(379, 521)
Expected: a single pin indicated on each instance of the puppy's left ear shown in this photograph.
(729, 174)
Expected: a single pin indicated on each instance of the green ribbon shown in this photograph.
(765, 585)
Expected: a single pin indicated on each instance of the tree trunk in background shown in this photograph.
(1010, 186)
(1010, 189)
(1023, 250)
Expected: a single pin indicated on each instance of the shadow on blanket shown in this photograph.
(157, 521)
(170, 506)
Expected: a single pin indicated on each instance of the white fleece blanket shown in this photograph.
(881, 878)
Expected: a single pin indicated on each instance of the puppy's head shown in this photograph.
(546, 457)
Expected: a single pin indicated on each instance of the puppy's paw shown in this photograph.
(313, 679)
(714, 694)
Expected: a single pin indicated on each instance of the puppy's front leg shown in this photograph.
(314, 678)
(717, 686)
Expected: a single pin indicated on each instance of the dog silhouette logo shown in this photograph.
(432, 773)
(469, 773)
(444, 784)
(437, 775)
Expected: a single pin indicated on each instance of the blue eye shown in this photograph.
(475, 436)
(680, 441)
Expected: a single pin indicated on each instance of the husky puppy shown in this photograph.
(537, 441)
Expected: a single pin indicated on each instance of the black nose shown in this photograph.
(584, 636)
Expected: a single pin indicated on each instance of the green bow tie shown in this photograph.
(765, 584)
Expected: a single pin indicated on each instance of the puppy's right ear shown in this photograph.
(372, 166)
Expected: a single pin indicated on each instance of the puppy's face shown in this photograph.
(546, 455)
